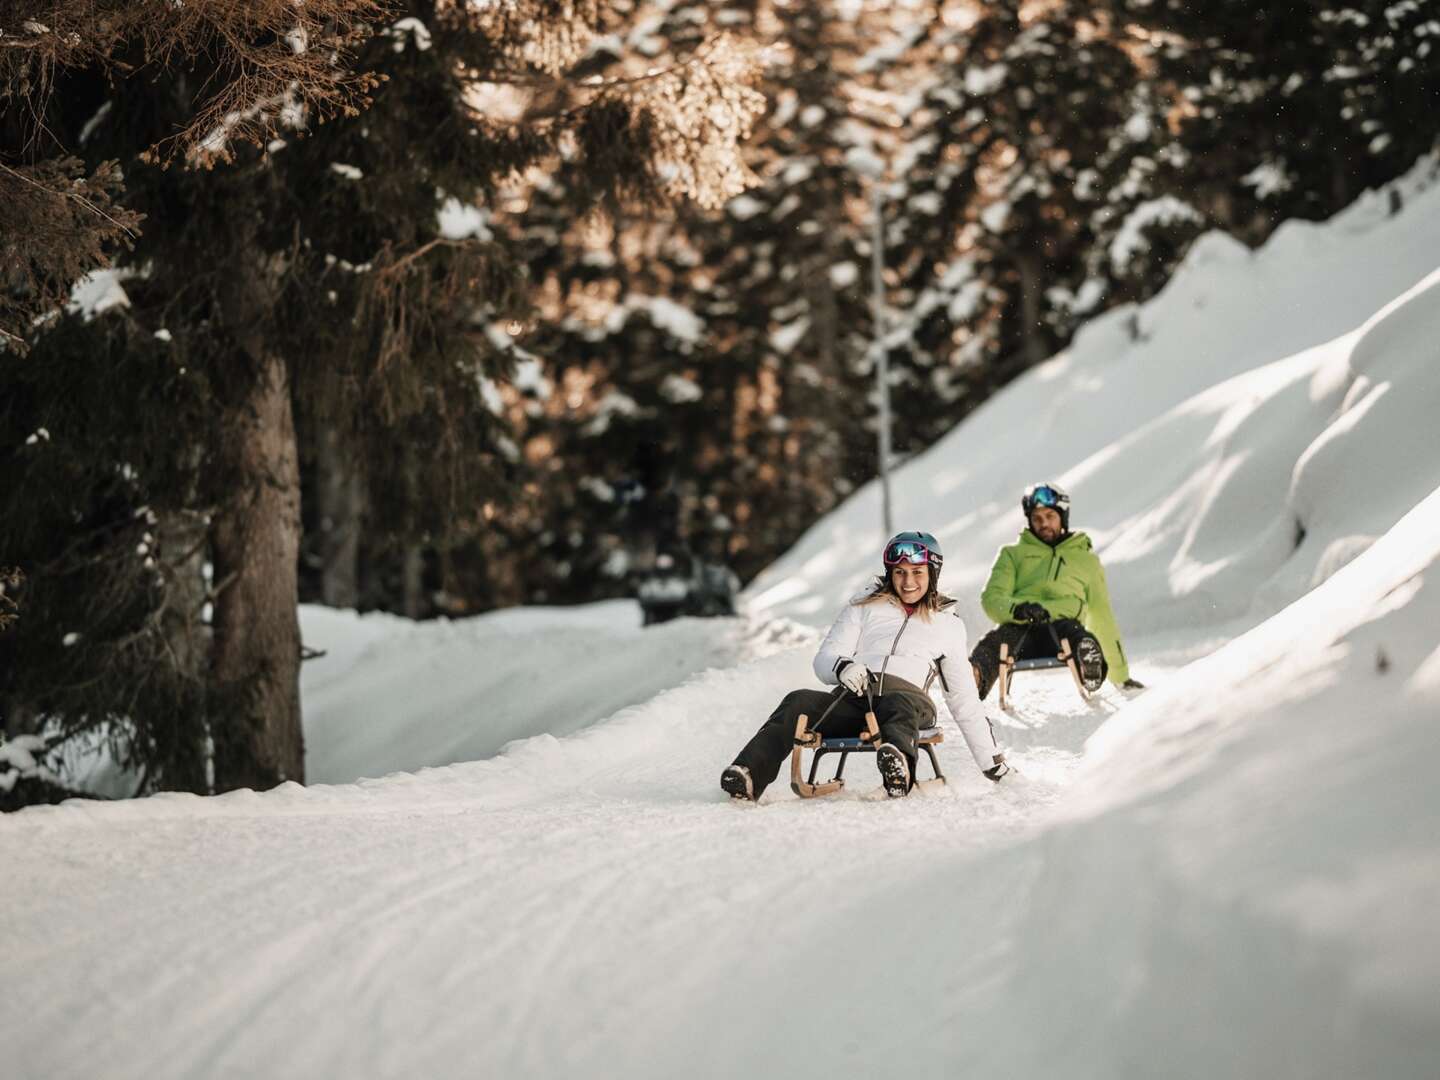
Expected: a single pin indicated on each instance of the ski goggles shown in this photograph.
(1047, 496)
(907, 551)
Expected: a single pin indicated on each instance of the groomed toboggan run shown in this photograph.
(1233, 874)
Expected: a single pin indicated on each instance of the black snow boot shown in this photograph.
(1092, 663)
(735, 782)
(894, 770)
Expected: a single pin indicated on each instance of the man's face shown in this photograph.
(1045, 523)
(910, 581)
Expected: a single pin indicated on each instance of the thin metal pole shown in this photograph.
(882, 362)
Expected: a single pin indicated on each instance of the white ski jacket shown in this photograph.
(889, 641)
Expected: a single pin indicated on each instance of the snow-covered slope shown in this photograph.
(1233, 875)
(391, 694)
(1178, 429)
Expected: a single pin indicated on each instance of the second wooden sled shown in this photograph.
(865, 743)
(1063, 658)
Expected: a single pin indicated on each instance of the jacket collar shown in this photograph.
(1070, 541)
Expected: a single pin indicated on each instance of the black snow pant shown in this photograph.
(1026, 641)
(901, 711)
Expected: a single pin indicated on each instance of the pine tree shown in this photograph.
(321, 269)
(60, 219)
(715, 362)
(1289, 111)
(1011, 158)
(98, 477)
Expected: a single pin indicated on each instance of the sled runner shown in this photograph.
(1063, 658)
(865, 743)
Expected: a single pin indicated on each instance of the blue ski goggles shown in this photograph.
(907, 551)
(1046, 496)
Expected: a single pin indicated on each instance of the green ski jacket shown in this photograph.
(1067, 580)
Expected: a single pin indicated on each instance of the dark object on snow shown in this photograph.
(683, 585)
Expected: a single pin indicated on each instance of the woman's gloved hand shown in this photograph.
(854, 676)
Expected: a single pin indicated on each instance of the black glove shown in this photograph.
(1030, 612)
(1133, 684)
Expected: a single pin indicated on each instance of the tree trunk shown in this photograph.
(413, 581)
(182, 545)
(256, 544)
(1340, 168)
(1032, 286)
(339, 493)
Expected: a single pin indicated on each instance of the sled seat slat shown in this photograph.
(1038, 663)
(928, 737)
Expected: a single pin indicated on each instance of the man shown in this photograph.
(1050, 576)
(887, 645)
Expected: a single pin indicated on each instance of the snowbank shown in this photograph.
(394, 695)
(1177, 427)
(1245, 881)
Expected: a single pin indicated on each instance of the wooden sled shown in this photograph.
(1062, 658)
(865, 743)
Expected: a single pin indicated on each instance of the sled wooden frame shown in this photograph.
(865, 743)
(1064, 658)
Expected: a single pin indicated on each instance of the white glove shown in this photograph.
(855, 677)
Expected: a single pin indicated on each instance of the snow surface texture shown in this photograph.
(1234, 874)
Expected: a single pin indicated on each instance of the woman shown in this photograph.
(890, 643)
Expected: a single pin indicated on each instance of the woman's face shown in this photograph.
(910, 582)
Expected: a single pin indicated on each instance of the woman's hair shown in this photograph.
(884, 589)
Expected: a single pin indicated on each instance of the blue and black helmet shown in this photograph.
(1051, 495)
(916, 549)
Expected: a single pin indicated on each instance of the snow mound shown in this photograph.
(1254, 845)
(394, 695)
(1179, 426)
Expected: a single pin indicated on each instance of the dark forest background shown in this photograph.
(406, 298)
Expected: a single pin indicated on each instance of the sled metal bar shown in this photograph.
(1038, 663)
